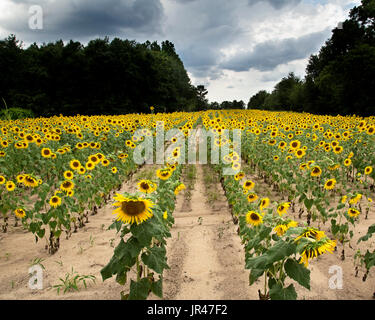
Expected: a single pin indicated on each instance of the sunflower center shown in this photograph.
(55, 200)
(145, 186)
(329, 183)
(254, 217)
(67, 184)
(133, 208)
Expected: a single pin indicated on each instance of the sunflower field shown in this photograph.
(315, 185)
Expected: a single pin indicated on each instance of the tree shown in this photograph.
(257, 100)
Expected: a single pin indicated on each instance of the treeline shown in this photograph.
(102, 77)
(340, 79)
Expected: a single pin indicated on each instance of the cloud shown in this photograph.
(277, 4)
(85, 18)
(269, 54)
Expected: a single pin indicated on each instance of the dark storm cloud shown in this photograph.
(267, 55)
(86, 18)
(277, 4)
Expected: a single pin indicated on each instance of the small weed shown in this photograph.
(37, 261)
(72, 281)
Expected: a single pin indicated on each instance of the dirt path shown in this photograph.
(205, 253)
(87, 251)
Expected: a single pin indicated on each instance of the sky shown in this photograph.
(233, 47)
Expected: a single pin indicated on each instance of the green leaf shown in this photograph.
(157, 288)
(280, 250)
(298, 272)
(254, 275)
(370, 231)
(139, 290)
(277, 292)
(155, 258)
(308, 203)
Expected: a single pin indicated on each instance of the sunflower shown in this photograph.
(316, 171)
(295, 144)
(248, 185)
(236, 166)
(264, 203)
(165, 215)
(114, 169)
(330, 184)
(90, 165)
(20, 213)
(317, 248)
(55, 201)
(368, 170)
(347, 162)
(254, 218)
(280, 229)
(132, 210)
(10, 186)
(239, 176)
(311, 233)
(251, 197)
(355, 199)
(67, 185)
(75, 164)
(282, 208)
(179, 188)
(81, 170)
(20, 178)
(68, 175)
(105, 162)
(30, 181)
(299, 153)
(353, 212)
(163, 174)
(46, 153)
(146, 186)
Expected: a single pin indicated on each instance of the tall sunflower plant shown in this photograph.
(144, 220)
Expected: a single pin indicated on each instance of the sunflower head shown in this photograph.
(20, 213)
(132, 210)
(254, 218)
(146, 186)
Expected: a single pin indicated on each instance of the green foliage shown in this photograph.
(102, 77)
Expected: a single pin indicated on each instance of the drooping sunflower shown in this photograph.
(146, 186)
(55, 201)
(317, 248)
(20, 213)
(354, 213)
(251, 197)
(312, 233)
(280, 229)
(282, 208)
(330, 184)
(131, 210)
(264, 203)
(179, 188)
(254, 218)
(67, 185)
